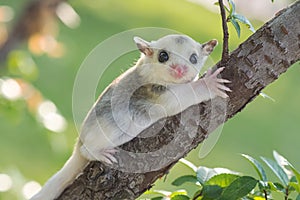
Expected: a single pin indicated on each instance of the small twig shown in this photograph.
(198, 195)
(225, 52)
(266, 194)
(286, 193)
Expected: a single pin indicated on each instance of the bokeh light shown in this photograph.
(10, 89)
(45, 108)
(55, 122)
(68, 15)
(6, 13)
(30, 189)
(5, 182)
(21, 63)
(51, 119)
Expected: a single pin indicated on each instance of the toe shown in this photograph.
(218, 71)
(223, 87)
(220, 80)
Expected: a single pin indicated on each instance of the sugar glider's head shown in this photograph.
(173, 58)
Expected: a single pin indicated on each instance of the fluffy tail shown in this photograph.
(58, 182)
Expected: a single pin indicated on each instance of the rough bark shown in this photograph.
(251, 67)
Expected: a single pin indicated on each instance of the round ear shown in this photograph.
(143, 46)
(209, 46)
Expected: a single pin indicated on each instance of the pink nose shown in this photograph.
(178, 71)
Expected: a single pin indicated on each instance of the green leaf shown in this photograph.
(264, 95)
(239, 188)
(178, 193)
(236, 26)
(185, 179)
(231, 6)
(222, 180)
(297, 175)
(211, 191)
(293, 186)
(298, 197)
(262, 185)
(257, 166)
(158, 192)
(188, 164)
(273, 187)
(180, 197)
(263, 189)
(277, 169)
(204, 173)
(157, 198)
(282, 161)
(197, 194)
(280, 187)
(293, 179)
(260, 197)
(243, 20)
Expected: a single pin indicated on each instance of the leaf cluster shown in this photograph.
(236, 19)
(224, 184)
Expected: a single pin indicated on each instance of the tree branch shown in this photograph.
(251, 67)
(225, 52)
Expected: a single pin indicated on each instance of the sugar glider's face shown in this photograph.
(173, 58)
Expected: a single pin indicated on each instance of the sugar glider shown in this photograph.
(163, 82)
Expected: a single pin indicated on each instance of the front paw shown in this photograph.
(216, 85)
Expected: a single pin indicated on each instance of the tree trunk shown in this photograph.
(252, 66)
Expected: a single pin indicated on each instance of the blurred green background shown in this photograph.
(29, 151)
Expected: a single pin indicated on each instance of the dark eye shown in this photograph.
(193, 58)
(163, 56)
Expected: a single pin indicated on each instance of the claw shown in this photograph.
(223, 87)
(218, 71)
(224, 95)
(106, 160)
(108, 153)
(111, 151)
(220, 80)
(110, 157)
